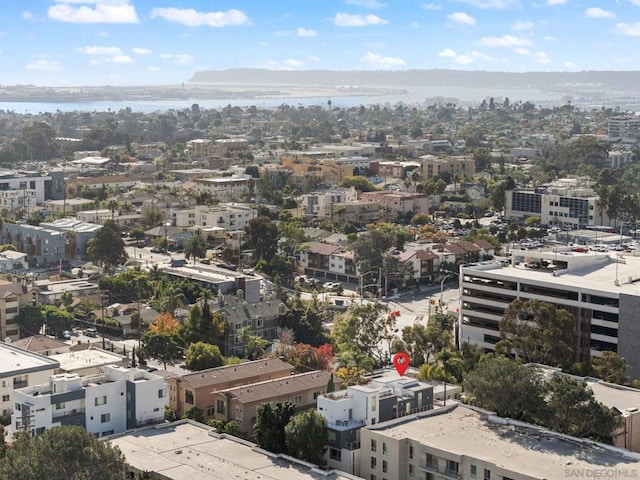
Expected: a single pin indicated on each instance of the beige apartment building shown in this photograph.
(433, 166)
(12, 297)
(464, 443)
(198, 389)
(240, 404)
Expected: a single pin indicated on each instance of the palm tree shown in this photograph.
(113, 206)
(172, 298)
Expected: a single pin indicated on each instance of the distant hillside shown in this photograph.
(609, 80)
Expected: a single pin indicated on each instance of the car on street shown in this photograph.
(91, 332)
(532, 265)
(157, 250)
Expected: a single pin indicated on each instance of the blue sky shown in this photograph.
(151, 42)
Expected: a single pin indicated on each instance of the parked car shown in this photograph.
(157, 250)
(532, 265)
(206, 261)
(91, 332)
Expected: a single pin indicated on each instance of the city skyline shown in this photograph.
(161, 42)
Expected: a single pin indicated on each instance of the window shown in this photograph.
(188, 397)
(412, 470)
(487, 474)
(102, 400)
(335, 454)
(384, 448)
(374, 403)
(431, 461)
(297, 399)
(374, 462)
(5, 398)
(220, 407)
(17, 407)
(107, 433)
(373, 476)
(105, 418)
(452, 467)
(60, 406)
(474, 471)
(410, 451)
(162, 393)
(210, 411)
(385, 466)
(374, 445)
(316, 395)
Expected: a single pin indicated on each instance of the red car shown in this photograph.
(580, 249)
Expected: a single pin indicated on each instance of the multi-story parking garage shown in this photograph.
(601, 290)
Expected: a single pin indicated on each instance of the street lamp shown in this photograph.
(448, 274)
(362, 285)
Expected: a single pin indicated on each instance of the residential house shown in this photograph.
(197, 389)
(117, 400)
(398, 204)
(88, 362)
(359, 212)
(21, 368)
(348, 411)
(42, 344)
(320, 204)
(240, 403)
(12, 261)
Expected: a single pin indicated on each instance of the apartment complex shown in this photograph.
(12, 297)
(433, 166)
(460, 442)
(303, 166)
(224, 188)
(382, 399)
(119, 399)
(320, 204)
(197, 389)
(623, 126)
(21, 368)
(398, 204)
(228, 216)
(599, 289)
(240, 403)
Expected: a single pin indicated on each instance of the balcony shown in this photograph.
(68, 415)
(445, 472)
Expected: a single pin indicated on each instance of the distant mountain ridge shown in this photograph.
(608, 80)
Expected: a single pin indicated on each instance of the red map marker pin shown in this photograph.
(401, 362)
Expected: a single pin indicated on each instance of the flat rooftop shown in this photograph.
(16, 361)
(185, 450)
(590, 271)
(530, 451)
(92, 357)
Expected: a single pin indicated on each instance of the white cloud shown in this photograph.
(520, 25)
(570, 65)
(153, 68)
(556, 2)
(183, 58)
(193, 18)
(432, 6)
(508, 41)
(463, 18)
(595, 12)
(293, 63)
(44, 65)
(93, 11)
(493, 4)
(121, 59)
(95, 50)
(27, 15)
(379, 61)
(166, 55)
(313, 58)
(462, 59)
(631, 29)
(366, 3)
(304, 32)
(141, 51)
(103, 34)
(347, 20)
(540, 57)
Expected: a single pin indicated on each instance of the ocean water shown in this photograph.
(408, 96)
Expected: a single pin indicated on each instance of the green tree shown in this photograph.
(106, 249)
(31, 319)
(254, 346)
(572, 409)
(360, 183)
(539, 332)
(307, 436)
(62, 453)
(194, 413)
(268, 429)
(201, 356)
(57, 320)
(360, 329)
(195, 247)
(262, 236)
(160, 346)
(610, 367)
(67, 300)
(507, 388)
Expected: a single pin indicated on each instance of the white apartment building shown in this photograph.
(30, 186)
(623, 126)
(119, 399)
(319, 204)
(101, 215)
(599, 289)
(382, 399)
(464, 443)
(358, 163)
(230, 216)
(224, 188)
(562, 206)
(16, 199)
(21, 368)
